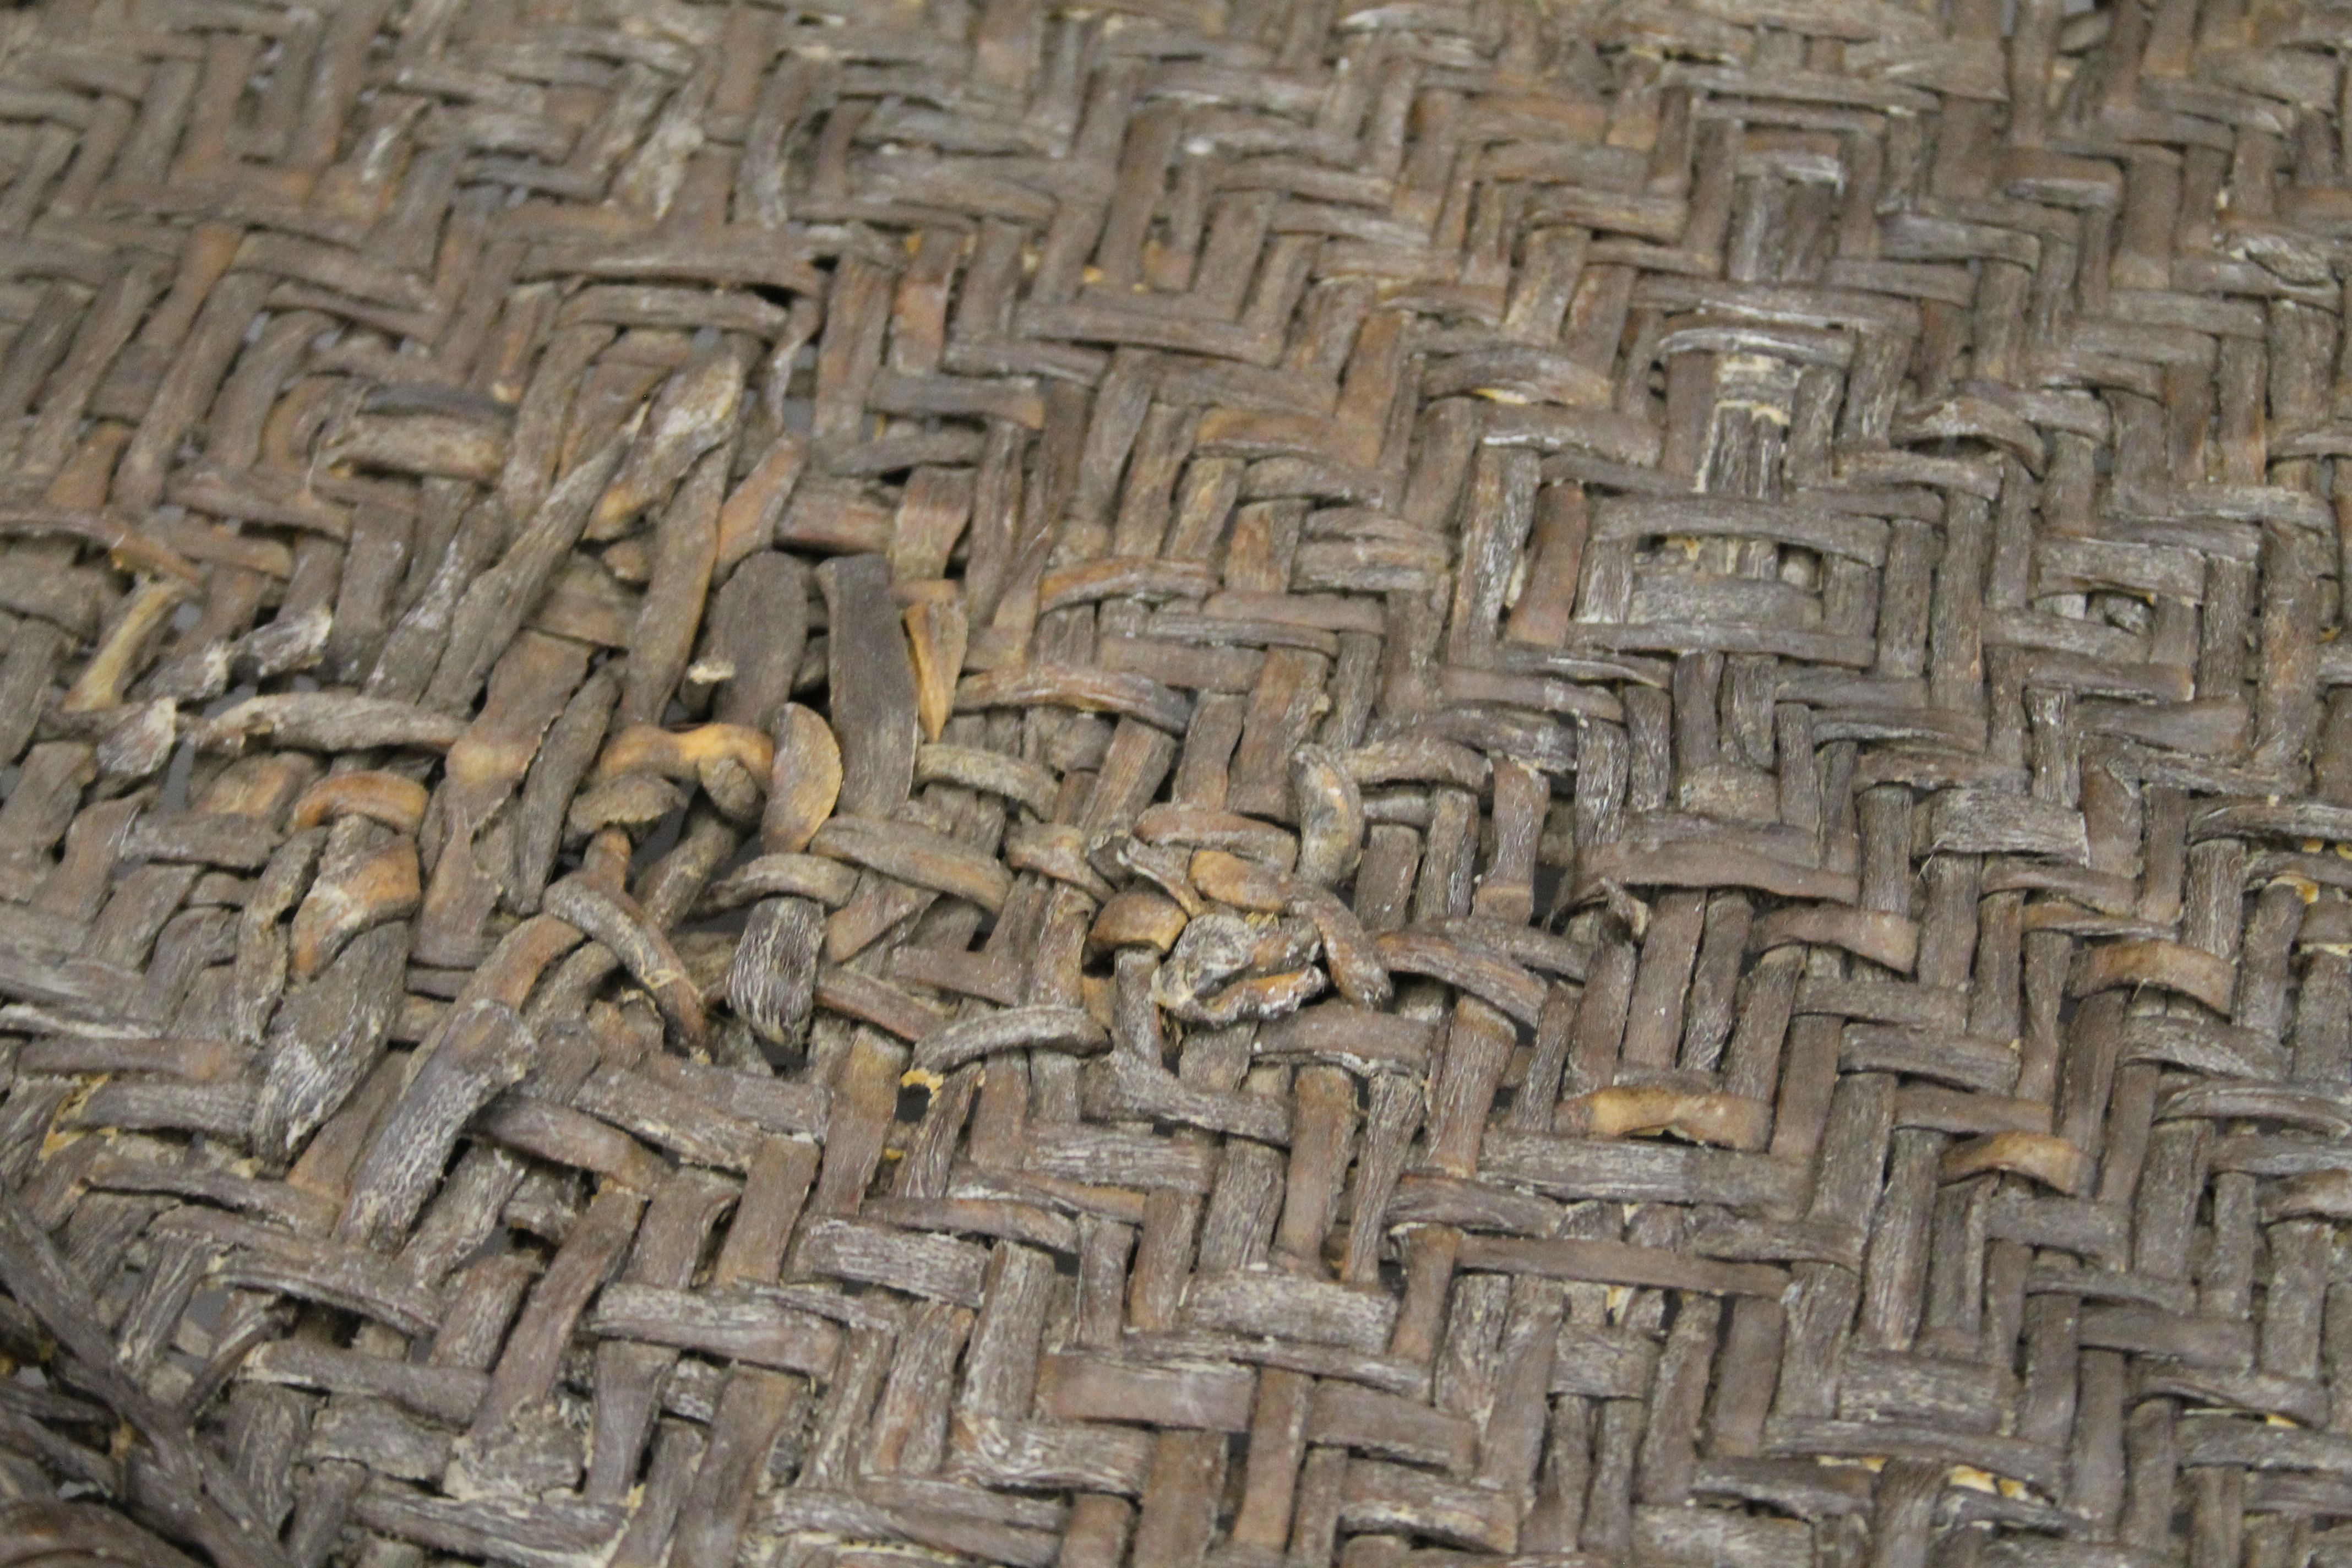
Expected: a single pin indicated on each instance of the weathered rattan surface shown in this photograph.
(1226, 782)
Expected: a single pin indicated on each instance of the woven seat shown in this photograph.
(1212, 783)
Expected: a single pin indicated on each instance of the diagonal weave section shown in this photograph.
(1213, 781)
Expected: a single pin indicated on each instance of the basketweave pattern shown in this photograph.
(1204, 782)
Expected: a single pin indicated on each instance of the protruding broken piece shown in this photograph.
(804, 781)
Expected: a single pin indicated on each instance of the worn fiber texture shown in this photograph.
(1212, 783)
